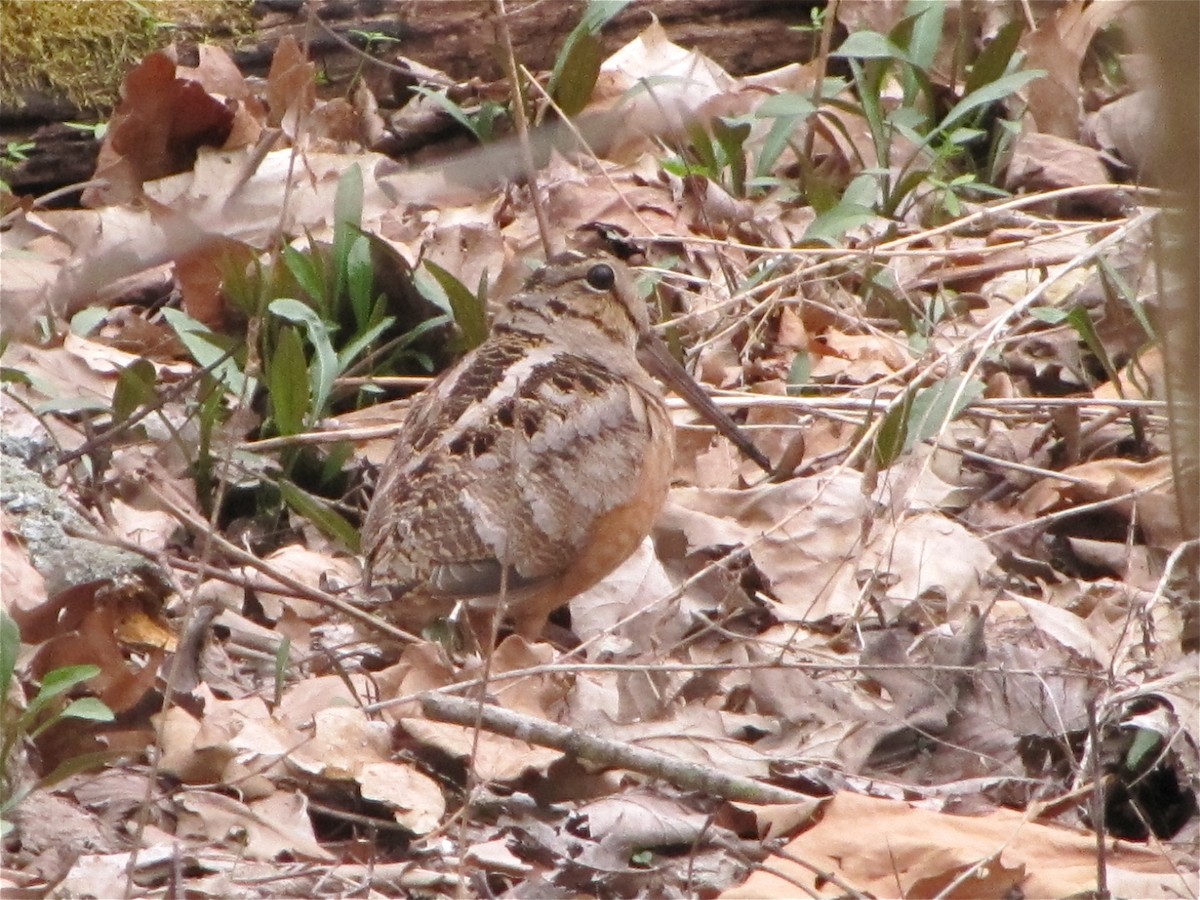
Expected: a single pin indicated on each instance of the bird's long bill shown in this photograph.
(659, 362)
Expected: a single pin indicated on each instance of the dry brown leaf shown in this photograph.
(309, 696)
(241, 739)
(811, 538)
(414, 798)
(156, 129)
(1106, 479)
(1120, 127)
(697, 735)
(115, 625)
(309, 568)
(343, 740)
(637, 197)
(291, 90)
(683, 80)
(107, 874)
(634, 820)
(887, 848)
(1046, 162)
(265, 829)
(858, 358)
(347, 746)
(493, 758)
(625, 612)
(1058, 45)
(22, 587)
(494, 856)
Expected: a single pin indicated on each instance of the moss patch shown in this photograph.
(81, 51)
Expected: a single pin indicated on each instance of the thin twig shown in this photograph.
(1097, 803)
(685, 775)
(522, 124)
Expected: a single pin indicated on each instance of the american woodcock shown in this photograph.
(536, 464)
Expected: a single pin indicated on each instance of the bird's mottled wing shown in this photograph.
(520, 470)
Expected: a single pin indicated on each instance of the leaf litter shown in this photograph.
(950, 612)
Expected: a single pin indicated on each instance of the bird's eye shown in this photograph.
(601, 277)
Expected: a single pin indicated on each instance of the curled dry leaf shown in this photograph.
(635, 820)
(233, 741)
(414, 798)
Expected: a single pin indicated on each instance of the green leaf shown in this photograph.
(869, 45)
(328, 520)
(578, 64)
(455, 111)
(303, 267)
(925, 32)
(325, 363)
(892, 435)
(10, 375)
(135, 387)
(360, 280)
(986, 95)
(773, 146)
(335, 459)
(10, 647)
(935, 406)
(799, 373)
(1049, 314)
(348, 354)
(786, 104)
(705, 148)
(282, 654)
(681, 169)
(576, 71)
(71, 405)
(288, 382)
(59, 681)
(868, 80)
(831, 226)
(347, 221)
(485, 119)
(56, 683)
(1146, 744)
(469, 311)
(961, 136)
(1079, 319)
(89, 708)
(600, 12)
(83, 763)
(911, 181)
(993, 60)
(85, 321)
(731, 135)
(206, 347)
(1117, 284)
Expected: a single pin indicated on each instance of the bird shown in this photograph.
(536, 464)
